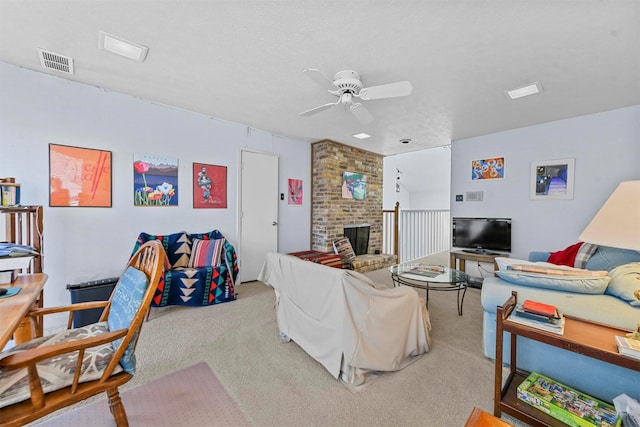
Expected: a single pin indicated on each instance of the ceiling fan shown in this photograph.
(346, 86)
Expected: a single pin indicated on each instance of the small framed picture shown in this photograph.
(552, 179)
(79, 177)
(295, 192)
(155, 180)
(492, 168)
(209, 186)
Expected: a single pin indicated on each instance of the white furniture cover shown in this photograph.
(345, 321)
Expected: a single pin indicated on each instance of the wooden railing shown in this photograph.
(390, 220)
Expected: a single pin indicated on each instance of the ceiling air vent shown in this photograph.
(55, 61)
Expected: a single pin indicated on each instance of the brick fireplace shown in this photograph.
(330, 213)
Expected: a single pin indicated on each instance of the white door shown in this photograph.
(258, 211)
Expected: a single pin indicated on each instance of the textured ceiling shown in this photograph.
(242, 61)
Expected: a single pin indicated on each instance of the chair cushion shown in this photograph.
(57, 372)
(125, 303)
(206, 253)
(343, 247)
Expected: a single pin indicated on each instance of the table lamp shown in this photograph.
(617, 223)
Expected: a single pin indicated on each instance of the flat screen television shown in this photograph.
(482, 235)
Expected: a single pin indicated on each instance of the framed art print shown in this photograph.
(79, 177)
(552, 179)
(295, 192)
(155, 180)
(487, 168)
(354, 186)
(209, 186)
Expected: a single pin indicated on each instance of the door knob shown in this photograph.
(274, 223)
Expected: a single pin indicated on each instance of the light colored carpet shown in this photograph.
(277, 384)
(190, 397)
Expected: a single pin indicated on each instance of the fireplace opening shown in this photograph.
(358, 235)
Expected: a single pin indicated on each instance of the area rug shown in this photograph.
(190, 397)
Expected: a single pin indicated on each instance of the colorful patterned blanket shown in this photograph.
(194, 286)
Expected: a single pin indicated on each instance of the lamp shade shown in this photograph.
(617, 223)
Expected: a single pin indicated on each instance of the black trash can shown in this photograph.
(94, 290)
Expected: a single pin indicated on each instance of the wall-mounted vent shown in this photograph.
(474, 196)
(55, 61)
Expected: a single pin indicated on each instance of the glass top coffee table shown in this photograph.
(431, 278)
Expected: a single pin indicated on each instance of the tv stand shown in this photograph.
(471, 255)
(480, 252)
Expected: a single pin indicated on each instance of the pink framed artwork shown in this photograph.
(295, 192)
(209, 186)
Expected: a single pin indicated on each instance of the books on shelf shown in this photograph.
(553, 325)
(628, 346)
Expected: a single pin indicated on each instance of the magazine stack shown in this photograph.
(538, 315)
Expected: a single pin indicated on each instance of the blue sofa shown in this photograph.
(599, 379)
(194, 286)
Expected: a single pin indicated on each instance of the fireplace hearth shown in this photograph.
(358, 235)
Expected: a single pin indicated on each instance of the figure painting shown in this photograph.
(209, 186)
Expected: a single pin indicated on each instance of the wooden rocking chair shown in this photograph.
(84, 361)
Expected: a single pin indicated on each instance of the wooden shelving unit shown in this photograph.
(580, 336)
(24, 226)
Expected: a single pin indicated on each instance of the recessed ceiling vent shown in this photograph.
(55, 61)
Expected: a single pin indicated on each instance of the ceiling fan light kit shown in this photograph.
(346, 86)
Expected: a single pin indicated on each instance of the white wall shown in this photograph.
(606, 148)
(424, 182)
(90, 243)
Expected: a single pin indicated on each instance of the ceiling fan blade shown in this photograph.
(320, 79)
(317, 109)
(362, 114)
(390, 90)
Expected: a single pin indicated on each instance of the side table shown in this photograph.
(580, 336)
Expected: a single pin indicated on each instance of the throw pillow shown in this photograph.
(126, 300)
(584, 254)
(625, 283)
(342, 246)
(567, 256)
(608, 258)
(206, 253)
(578, 284)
